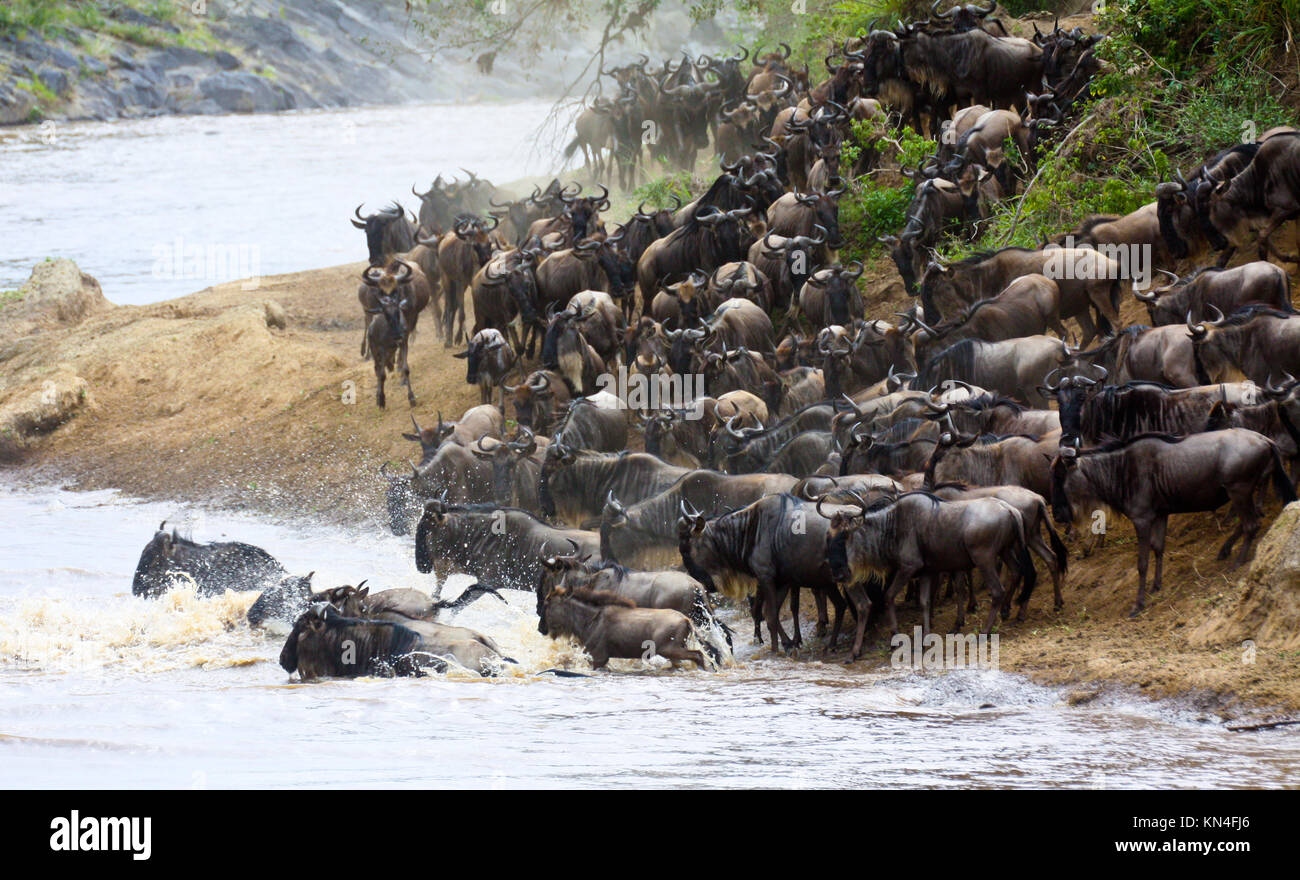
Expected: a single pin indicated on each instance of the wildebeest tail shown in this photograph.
(570, 148)
(1025, 563)
(1281, 482)
(1058, 546)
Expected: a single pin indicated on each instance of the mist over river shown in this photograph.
(101, 689)
(275, 190)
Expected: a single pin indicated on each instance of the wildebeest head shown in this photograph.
(582, 212)
(485, 343)
(837, 284)
(519, 280)
(1166, 312)
(557, 456)
(387, 232)
(696, 546)
(1065, 462)
(504, 458)
(534, 400)
(430, 439)
(399, 500)
(1071, 392)
(827, 214)
(474, 232)
(284, 601)
(160, 557)
(551, 577)
(683, 347)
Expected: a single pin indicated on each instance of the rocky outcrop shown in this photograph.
(27, 416)
(56, 293)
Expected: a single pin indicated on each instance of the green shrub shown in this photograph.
(659, 192)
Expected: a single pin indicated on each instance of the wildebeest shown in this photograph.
(1228, 290)
(489, 360)
(498, 545)
(1150, 476)
(388, 233)
(918, 534)
(771, 548)
(1254, 343)
(609, 626)
(211, 568)
(574, 482)
(1086, 279)
(484, 420)
(1268, 187)
(1029, 306)
(325, 644)
(1013, 367)
(1091, 412)
(830, 295)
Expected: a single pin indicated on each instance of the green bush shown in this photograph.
(659, 192)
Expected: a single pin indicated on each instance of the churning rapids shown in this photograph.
(101, 689)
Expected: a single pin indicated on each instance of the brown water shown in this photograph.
(100, 689)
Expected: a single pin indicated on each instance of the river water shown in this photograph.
(100, 689)
(159, 208)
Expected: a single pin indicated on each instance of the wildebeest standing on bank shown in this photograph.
(214, 568)
(394, 315)
(920, 535)
(1148, 477)
(611, 627)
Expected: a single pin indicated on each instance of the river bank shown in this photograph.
(256, 400)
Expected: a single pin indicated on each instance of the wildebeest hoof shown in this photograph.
(1137, 609)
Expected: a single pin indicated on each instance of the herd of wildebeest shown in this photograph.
(862, 460)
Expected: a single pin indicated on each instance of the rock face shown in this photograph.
(267, 55)
(1267, 609)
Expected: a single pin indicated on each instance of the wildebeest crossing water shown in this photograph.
(103, 689)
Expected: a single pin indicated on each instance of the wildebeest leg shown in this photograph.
(406, 373)
(1143, 529)
(797, 634)
(903, 576)
(964, 605)
(756, 614)
(1266, 236)
(772, 613)
(1087, 329)
(925, 591)
(840, 604)
(862, 604)
(1248, 514)
(823, 619)
(380, 373)
(1039, 546)
(677, 653)
(448, 317)
(990, 571)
